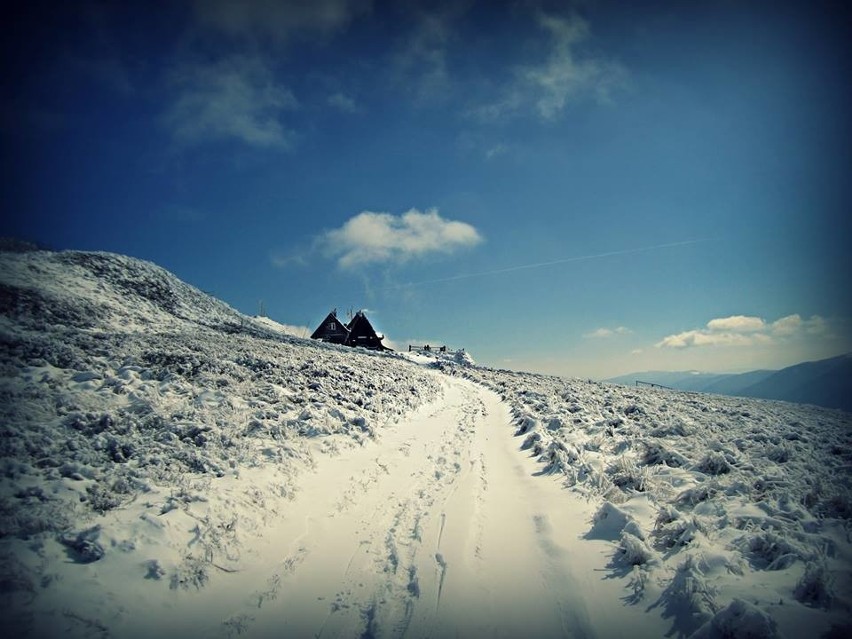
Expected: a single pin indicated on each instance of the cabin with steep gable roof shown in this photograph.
(357, 332)
(332, 330)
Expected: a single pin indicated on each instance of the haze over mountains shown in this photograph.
(826, 382)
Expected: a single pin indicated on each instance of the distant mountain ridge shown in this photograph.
(826, 382)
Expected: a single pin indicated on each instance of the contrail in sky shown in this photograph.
(523, 267)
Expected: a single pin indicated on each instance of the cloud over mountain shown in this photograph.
(736, 324)
(741, 330)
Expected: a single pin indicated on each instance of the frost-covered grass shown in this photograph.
(122, 388)
(149, 432)
(715, 499)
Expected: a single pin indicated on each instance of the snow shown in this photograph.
(710, 500)
(284, 329)
(171, 467)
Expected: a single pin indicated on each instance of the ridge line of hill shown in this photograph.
(826, 382)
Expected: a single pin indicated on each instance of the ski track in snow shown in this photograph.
(436, 531)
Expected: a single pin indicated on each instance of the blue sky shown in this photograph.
(583, 188)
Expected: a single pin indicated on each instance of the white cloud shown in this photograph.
(794, 324)
(741, 330)
(421, 62)
(276, 20)
(566, 74)
(736, 324)
(235, 98)
(382, 237)
(495, 151)
(704, 338)
(786, 325)
(816, 325)
(344, 103)
(283, 259)
(608, 332)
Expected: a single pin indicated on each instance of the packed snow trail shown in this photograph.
(439, 529)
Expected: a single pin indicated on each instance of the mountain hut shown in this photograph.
(358, 332)
(332, 330)
(362, 333)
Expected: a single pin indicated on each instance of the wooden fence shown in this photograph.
(652, 384)
(427, 348)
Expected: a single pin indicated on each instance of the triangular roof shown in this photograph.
(362, 333)
(331, 329)
(358, 332)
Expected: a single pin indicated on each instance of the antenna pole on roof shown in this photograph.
(262, 311)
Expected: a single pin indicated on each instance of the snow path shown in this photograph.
(439, 529)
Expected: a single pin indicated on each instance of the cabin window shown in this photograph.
(332, 326)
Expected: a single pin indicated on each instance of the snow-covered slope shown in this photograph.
(124, 388)
(722, 511)
(170, 465)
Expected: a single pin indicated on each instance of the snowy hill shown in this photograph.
(171, 467)
(120, 381)
(826, 382)
(710, 501)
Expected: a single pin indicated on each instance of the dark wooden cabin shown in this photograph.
(358, 332)
(362, 333)
(332, 330)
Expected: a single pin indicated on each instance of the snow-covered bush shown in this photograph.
(633, 550)
(696, 494)
(715, 463)
(192, 572)
(628, 476)
(85, 546)
(657, 454)
(677, 532)
(769, 551)
(779, 453)
(609, 522)
(689, 595)
(738, 620)
(526, 424)
(638, 583)
(560, 458)
(815, 586)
